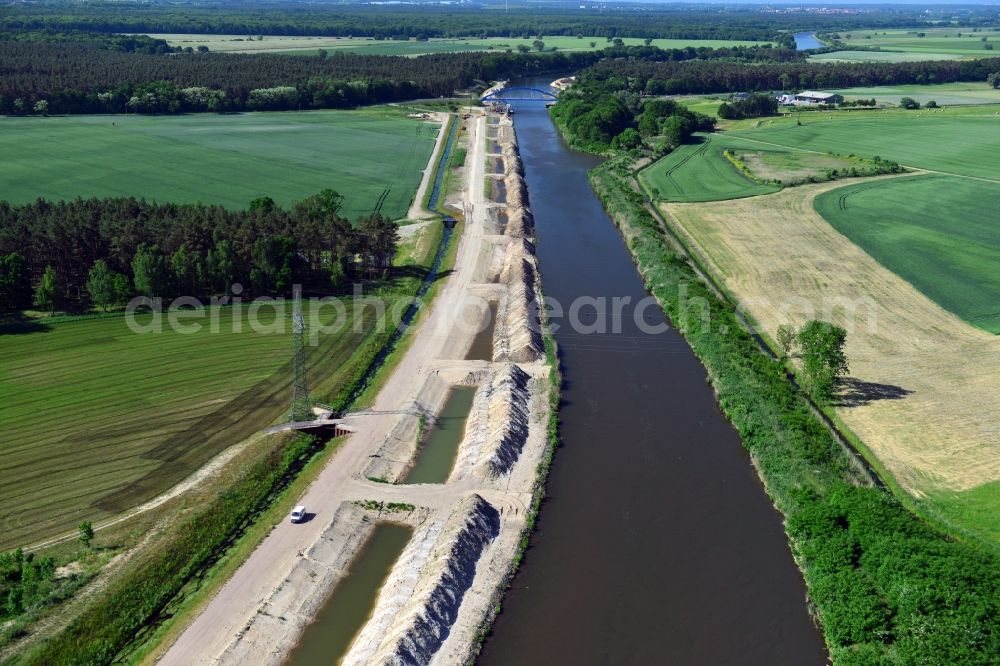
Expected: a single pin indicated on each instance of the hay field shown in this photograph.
(940, 233)
(367, 156)
(924, 394)
(96, 419)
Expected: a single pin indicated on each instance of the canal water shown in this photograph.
(327, 639)
(437, 453)
(656, 543)
(807, 40)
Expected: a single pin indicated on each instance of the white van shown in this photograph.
(298, 514)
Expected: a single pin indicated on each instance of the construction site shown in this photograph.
(456, 538)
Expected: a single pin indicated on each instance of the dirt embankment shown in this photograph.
(517, 336)
(520, 223)
(420, 600)
(517, 193)
(506, 425)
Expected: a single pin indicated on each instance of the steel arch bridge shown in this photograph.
(519, 94)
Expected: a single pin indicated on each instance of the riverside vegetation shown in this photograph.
(887, 587)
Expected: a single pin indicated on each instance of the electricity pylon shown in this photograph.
(301, 405)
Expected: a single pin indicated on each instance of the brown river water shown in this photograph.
(656, 543)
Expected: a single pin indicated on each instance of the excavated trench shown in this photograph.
(349, 606)
(419, 603)
(482, 344)
(439, 446)
(499, 192)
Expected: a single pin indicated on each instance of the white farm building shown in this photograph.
(812, 97)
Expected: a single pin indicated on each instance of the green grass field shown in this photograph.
(226, 159)
(966, 145)
(939, 233)
(943, 93)
(880, 56)
(307, 45)
(935, 42)
(974, 510)
(700, 172)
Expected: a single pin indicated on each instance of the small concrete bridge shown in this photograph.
(519, 94)
(334, 426)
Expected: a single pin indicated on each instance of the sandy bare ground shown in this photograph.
(925, 386)
(258, 614)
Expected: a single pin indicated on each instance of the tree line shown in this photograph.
(712, 76)
(109, 41)
(430, 21)
(25, 580)
(80, 78)
(59, 76)
(104, 251)
(754, 106)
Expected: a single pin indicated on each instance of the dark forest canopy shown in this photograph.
(77, 78)
(714, 76)
(87, 78)
(169, 250)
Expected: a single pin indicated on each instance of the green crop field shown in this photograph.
(967, 145)
(307, 45)
(700, 172)
(939, 233)
(960, 42)
(368, 156)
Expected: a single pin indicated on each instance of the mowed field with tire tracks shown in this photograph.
(374, 158)
(97, 418)
(700, 172)
(908, 274)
